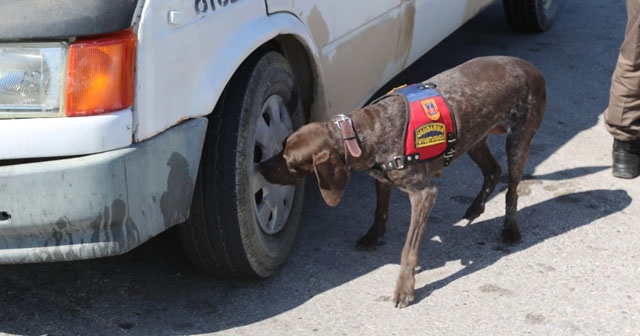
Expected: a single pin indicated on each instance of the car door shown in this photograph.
(363, 44)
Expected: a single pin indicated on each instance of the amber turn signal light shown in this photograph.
(100, 74)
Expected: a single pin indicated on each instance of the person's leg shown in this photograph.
(622, 116)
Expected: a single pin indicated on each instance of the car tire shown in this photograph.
(530, 15)
(240, 226)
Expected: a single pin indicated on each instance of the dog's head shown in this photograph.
(310, 150)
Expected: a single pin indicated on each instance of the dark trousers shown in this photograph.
(622, 116)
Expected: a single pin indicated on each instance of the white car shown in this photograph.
(120, 119)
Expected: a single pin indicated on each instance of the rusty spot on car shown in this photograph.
(319, 27)
(406, 32)
(361, 64)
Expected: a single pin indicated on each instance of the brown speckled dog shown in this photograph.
(488, 95)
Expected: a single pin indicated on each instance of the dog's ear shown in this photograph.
(332, 175)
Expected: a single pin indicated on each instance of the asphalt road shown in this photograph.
(575, 273)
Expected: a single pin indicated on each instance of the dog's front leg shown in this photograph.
(421, 203)
(370, 241)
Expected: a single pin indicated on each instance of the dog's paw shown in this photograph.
(404, 294)
(510, 236)
(402, 300)
(369, 243)
(474, 211)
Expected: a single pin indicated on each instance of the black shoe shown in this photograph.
(626, 159)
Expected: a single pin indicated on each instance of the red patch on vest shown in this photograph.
(428, 126)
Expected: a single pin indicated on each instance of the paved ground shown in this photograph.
(575, 273)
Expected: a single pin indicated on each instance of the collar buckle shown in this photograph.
(338, 119)
(348, 135)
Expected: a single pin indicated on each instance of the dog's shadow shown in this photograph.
(538, 223)
(476, 245)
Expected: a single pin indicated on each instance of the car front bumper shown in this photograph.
(101, 204)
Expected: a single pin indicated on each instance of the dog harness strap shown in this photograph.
(430, 130)
(345, 124)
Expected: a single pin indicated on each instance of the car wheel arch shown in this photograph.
(287, 36)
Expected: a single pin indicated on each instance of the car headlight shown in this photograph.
(31, 79)
(90, 76)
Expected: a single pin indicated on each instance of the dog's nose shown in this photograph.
(269, 169)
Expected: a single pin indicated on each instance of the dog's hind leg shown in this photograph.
(370, 241)
(526, 119)
(517, 147)
(491, 171)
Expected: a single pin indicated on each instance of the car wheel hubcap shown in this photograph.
(272, 202)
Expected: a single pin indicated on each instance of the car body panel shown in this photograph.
(56, 137)
(98, 205)
(360, 46)
(363, 47)
(198, 53)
